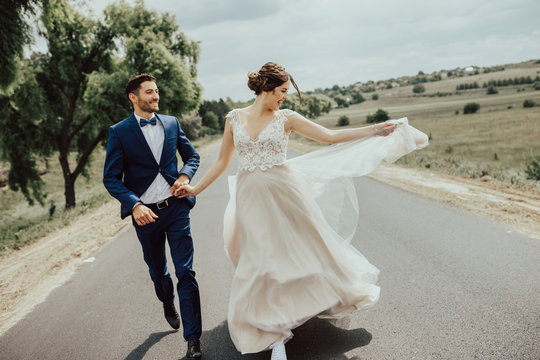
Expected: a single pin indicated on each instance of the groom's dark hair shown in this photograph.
(135, 82)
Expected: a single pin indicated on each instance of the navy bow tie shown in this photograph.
(145, 122)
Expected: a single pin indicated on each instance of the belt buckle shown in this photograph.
(165, 202)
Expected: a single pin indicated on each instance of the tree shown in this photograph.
(529, 103)
(80, 82)
(343, 121)
(379, 116)
(341, 102)
(418, 88)
(533, 170)
(14, 34)
(357, 97)
(471, 108)
(492, 90)
(23, 143)
(210, 120)
(217, 108)
(312, 105)
(375, 97)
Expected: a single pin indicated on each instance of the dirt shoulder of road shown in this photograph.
(485, 196)
(29, 275)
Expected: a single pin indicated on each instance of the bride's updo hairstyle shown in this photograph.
(269, 77)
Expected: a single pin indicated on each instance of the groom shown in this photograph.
(141, 171)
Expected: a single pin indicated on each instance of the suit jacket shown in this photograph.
(130, 166)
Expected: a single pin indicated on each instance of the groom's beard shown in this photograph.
(148, 106)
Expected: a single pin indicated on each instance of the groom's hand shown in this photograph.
(143, 215)
(182, 180)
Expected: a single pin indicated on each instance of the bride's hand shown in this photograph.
(185, 190)
(384, 129)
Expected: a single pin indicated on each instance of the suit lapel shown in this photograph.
(167, 132)
(136, 130)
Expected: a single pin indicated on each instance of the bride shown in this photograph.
(289, 222)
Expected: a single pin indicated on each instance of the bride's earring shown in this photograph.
(278, 351)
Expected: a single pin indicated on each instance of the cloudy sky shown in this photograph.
(327, 42)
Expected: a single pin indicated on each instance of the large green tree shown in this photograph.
(76, 89)
(14, 35)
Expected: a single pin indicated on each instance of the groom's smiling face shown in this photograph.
(147, 97)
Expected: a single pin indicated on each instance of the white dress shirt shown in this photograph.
(155, 134)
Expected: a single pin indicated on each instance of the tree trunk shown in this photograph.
(69, 193)
(69, 180)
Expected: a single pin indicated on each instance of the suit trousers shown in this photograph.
(173, 225)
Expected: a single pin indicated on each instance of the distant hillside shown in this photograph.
(343, 96)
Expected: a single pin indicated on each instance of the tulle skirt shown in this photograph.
(287, 231)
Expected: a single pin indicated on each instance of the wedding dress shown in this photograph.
(287, 229)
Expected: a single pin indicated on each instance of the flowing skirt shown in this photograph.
(287, 231)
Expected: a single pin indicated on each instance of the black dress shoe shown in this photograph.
(171, 315)
(194, 349)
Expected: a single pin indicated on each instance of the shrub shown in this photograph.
(536, 86)
(533, 170)
(471, 108)
(418, 88)
(492, 90)
(341, 102)
(379, 116)
(343, 121)
(528, 103)
(211, 120)
(191, 125)
(375, 97)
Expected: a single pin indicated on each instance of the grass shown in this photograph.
(23, 224)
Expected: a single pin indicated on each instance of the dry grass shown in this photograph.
(22, 224)
(498, 141)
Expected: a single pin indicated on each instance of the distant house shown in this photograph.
(469, 69)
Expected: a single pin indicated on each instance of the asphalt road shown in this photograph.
(454, 286)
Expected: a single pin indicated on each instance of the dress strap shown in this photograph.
(287, 112)
(233, 114)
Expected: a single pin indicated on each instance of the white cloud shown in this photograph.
(325, 42)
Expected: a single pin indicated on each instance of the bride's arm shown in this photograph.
(307, 128)
(216, 169)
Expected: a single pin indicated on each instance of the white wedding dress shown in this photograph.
(287, 229)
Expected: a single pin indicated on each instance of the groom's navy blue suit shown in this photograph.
(130, 168)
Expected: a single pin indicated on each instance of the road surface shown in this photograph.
(454, 286)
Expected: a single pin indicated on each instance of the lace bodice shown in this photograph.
(268, 150)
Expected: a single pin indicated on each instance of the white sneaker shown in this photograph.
(278, 351)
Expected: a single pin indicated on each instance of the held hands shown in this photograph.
(181, 187)
(185, 190)
(182, 180)
(384, 129)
